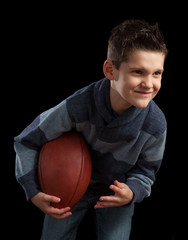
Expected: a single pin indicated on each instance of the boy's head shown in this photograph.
(134, 65)
(133, 35)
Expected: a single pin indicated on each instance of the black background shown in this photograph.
(53, 50)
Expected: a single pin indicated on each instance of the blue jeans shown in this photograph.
(111, 223)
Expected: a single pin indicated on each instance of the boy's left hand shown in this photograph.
(123, 195)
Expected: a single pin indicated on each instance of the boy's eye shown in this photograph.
(157, 73)
(137, 71)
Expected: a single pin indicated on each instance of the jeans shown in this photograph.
(111, 223)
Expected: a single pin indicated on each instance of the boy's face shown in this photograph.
(137, 81)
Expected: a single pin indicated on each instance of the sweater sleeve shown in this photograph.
(142, 175)
(47, 126)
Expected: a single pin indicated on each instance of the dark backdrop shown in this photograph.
(51, 51)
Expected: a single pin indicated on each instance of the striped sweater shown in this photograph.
(128, 148)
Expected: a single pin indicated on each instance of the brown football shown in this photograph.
(64, 168)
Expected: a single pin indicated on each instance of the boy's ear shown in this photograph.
(108, 69)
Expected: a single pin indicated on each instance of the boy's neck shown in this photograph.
(118, 104)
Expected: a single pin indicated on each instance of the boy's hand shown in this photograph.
(42, 201)
(123, 195)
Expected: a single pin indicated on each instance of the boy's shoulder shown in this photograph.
(87, 92)
(83, 100)
(155, 122)
(90, 87)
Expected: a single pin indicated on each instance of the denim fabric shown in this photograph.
(111, 223)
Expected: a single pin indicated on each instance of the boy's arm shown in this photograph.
(45, 127)
(140, 178)
(142, 175)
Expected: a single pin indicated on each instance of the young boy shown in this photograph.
(124, 128)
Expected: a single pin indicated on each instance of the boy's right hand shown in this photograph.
(43, 201)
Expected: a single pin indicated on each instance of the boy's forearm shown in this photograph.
(30, 184)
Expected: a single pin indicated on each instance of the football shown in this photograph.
(64, 168)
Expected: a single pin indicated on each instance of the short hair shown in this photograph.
(133, 35)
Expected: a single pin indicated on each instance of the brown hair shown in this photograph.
(133, 35)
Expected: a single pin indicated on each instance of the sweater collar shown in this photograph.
(102, 100)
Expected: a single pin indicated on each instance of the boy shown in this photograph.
(124, 128)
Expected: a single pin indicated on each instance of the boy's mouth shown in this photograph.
(143, 93)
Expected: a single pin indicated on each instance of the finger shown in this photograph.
(49, 198)
(119, 184)
(62, 213)
(105, 204)
(61, 216)
(56, 211)
(107, 198)
(112, 198)
(115, 188)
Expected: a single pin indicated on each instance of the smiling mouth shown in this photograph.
(143, 93)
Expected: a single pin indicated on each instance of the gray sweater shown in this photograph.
(128, 148)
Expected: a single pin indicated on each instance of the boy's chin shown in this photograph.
(142, 105)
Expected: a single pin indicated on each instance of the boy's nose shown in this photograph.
(147, 82)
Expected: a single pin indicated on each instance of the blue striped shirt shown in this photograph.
(128, 147)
